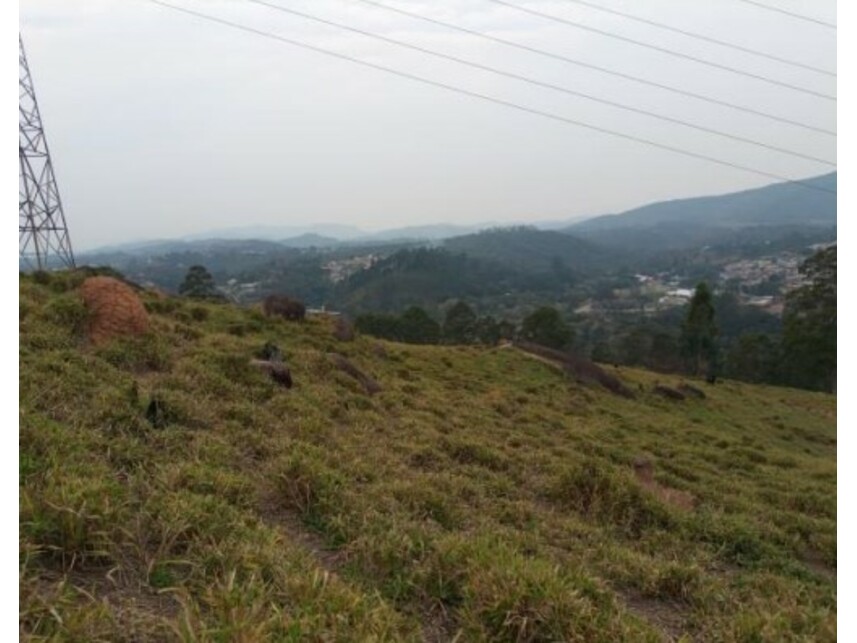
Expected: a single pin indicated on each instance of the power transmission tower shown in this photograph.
(43, 240)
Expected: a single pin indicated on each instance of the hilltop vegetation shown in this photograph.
(530, 250)
(480, 493)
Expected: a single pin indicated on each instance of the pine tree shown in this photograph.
(198, 284)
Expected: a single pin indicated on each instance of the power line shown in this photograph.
(491, 99)
(604, 70)
(698, 36)
(538, 83)
(664, 50)
(799, 16)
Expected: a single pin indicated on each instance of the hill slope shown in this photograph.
(672, 224)
(480, 492)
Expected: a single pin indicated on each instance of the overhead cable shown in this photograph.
(538, 83)
(598, 68)
(664, 50)
(485, 97)
(799, 16)
(699, 36)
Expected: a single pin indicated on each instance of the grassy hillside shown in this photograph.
(480, 494)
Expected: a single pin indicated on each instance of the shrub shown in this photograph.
(545, 326)
(474, 453)
(611, 497)
(163, 306)
(69, 312)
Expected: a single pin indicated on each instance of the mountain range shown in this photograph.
(665, 225)
(773, 209)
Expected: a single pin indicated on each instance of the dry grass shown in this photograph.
(480, 495)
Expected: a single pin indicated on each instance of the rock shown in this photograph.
(285, 307)
(668, 393)
(277, 371)
(344, 330)
(691, 391)
(344, 365)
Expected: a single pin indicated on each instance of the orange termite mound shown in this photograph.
(114, 309)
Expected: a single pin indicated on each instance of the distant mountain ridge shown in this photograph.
(273, 232)
(786, 204)
(700, 219)
(310, 240)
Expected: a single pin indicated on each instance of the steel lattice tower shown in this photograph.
(43, 236)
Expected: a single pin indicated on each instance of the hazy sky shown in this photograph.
(163, 125)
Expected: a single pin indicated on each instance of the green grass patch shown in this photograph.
(479, 495)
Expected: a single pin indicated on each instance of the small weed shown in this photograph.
(198, 313)
(467, 452)
(161, 577)
(308, 486)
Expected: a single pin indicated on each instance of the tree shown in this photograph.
(487, 331)
(506, 330)
(416, 327)
(379, 325)
(460, 325)
(199, 284)
(754, 358)
(601, 352)
(663, 353)
(699, 332)
(545, 326)
(634, 347)
(809, 325)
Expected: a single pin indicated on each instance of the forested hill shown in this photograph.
(494, 263)
(781, 207)
(529, 249)
(425, 277)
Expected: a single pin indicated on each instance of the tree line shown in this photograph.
(800, 351)
(803, 355)
(461, 325)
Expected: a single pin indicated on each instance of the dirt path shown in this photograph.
(667, 617)
(544, 360)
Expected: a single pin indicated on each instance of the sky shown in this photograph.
(163, 125)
